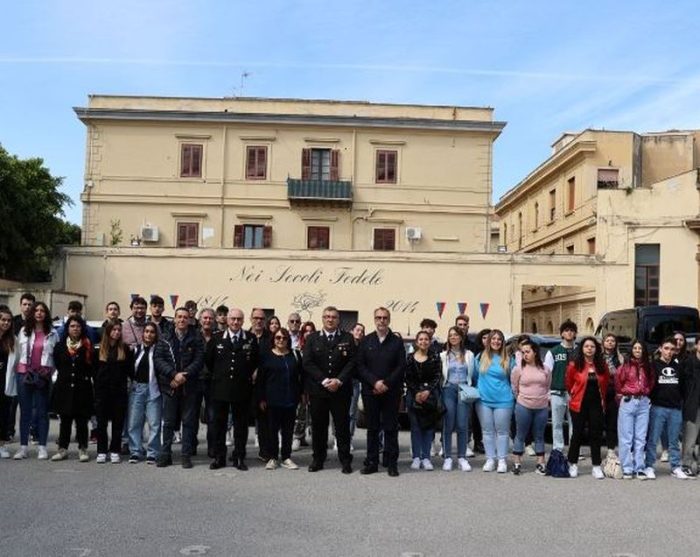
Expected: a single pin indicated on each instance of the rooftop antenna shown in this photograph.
(244, 75)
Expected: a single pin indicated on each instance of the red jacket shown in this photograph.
(634, 379)
(576, 385)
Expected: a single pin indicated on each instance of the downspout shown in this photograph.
(223, 185)
(354, 175)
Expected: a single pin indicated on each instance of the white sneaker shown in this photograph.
(447, 465)
(502, 466)
(229, 437)
(530, 450)
(469, 453)
(650, 473)
(62, 454)
(271, 464)
(678, 474)
(597, 473)
(101, 458)
(335, 445)
(177, 439)
(42, 453)
(427, 465)
(21, 454)
(489, 465)
(4, 453)
(83, 455)
(296, 445)
(664, 456)
(289, 464)
(115, 458)
(415, 464)
(573, 470)
(464, 465)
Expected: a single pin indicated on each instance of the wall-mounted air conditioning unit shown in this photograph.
(413, 233)
(149, 233)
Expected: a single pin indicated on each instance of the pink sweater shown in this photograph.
(531, 386)
(35, 355)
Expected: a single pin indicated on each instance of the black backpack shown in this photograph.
(557, 465)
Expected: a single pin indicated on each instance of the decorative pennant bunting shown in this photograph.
(461, 308)
(440, 308)
(484, 309)
(173, 300)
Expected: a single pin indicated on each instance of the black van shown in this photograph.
(652, 324)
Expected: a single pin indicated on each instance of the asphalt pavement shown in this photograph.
(85, 509)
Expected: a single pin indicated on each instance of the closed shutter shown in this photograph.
(335, 163)
(267, 237)
(306, 164)
(238, 236)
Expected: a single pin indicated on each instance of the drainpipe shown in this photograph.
(223, 185)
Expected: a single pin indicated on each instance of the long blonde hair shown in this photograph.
(487, 355)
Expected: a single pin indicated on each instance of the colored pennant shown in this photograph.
(461, 308)
(440, 308)
(484, 309)
(173, 300)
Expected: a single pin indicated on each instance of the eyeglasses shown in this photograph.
(280, 337)
(295, 320)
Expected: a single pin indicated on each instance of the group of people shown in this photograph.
(206, 367)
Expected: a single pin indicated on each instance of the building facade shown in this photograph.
(624, 198)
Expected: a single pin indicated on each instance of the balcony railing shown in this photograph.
(335, 191)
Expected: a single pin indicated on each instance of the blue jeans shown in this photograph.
(421, 439)
(669, 420)
(632, 429)
(143, 408)
(33, 402)
(456, 418)
(560, 410)
(527, 419)
(495, 426)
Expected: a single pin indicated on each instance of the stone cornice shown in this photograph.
(90, 114)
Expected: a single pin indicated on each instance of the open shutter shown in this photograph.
(335, 162)
(267, 237)
(306, 164)
(238, 236)
(262, 163)
(250, 166)
(185, 158)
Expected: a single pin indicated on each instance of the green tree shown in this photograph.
(31, 223)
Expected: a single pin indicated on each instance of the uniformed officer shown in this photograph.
(329, 365)
(232, 358)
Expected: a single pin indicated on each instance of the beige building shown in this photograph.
(627, 199)
(287, 174)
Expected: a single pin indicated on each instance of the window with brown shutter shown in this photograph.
(384, 239)
(335, 165)
(318, 237)
(571, 195)
(386, 167)
(320, 164)
(187, 234)
(256, 163)
(191, 160)
(306, 164)
(252, 236)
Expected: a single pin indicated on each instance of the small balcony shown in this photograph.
(319, 192)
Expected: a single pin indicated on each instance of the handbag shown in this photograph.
(11, 382)
(612, 468)
(34, 379)
(468, 394)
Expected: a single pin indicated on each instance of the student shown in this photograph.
(666, 413)
(495, 407)
(7, 363)
(634, 381)
(586, 381)
(72, 396)
(557, 360)
(531, 383)
(36, 343)
(614, 359)
(457, 371)
(114, 364)
(691, 410)
(145, 401)
(423, 378)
